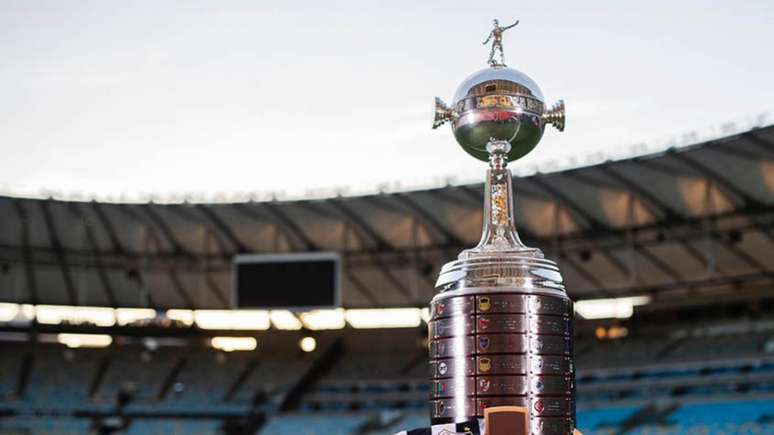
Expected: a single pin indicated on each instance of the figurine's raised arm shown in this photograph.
(512, 25)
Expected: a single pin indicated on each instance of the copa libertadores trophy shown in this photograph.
(501, 325)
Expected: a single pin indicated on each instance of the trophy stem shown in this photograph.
(499, 233)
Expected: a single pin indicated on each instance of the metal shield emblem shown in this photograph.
(483, 342)
(484, 364)
(484, 385)
(442, 368)
(484, 304)
(483, 323)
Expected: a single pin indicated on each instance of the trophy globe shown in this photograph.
(498, 104)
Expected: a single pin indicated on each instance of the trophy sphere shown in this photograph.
(498, 104)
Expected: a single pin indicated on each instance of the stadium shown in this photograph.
(236, 219)
(116, 317)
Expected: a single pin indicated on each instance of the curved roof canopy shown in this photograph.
(687, 221)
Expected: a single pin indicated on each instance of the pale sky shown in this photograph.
(116, 97)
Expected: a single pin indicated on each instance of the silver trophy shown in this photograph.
(501, 322)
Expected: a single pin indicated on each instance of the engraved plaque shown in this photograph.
(447, 368)
(501, 343)
(550, 325)
(447, 347)
(500, 365)
(556, 406)
(513, 323)
(551, 425)
(451, 387)
(452, 307)
(500, 304)
(552, 365)
(551, 385)
(550, 344)
(451, 326)
(501, 385)
(445, 408)
(549, 305)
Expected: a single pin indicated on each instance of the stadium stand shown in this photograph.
(676, 395)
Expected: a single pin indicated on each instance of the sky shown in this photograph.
(212, 100)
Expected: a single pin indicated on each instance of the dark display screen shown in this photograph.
(285, 281)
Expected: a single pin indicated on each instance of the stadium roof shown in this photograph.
(688, 221)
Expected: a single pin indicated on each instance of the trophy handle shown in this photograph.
(443, 113)
(555, 115)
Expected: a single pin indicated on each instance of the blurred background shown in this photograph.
(147, 144)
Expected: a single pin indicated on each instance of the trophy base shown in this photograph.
(501, 335)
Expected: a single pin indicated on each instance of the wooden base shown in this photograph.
(508, 420)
